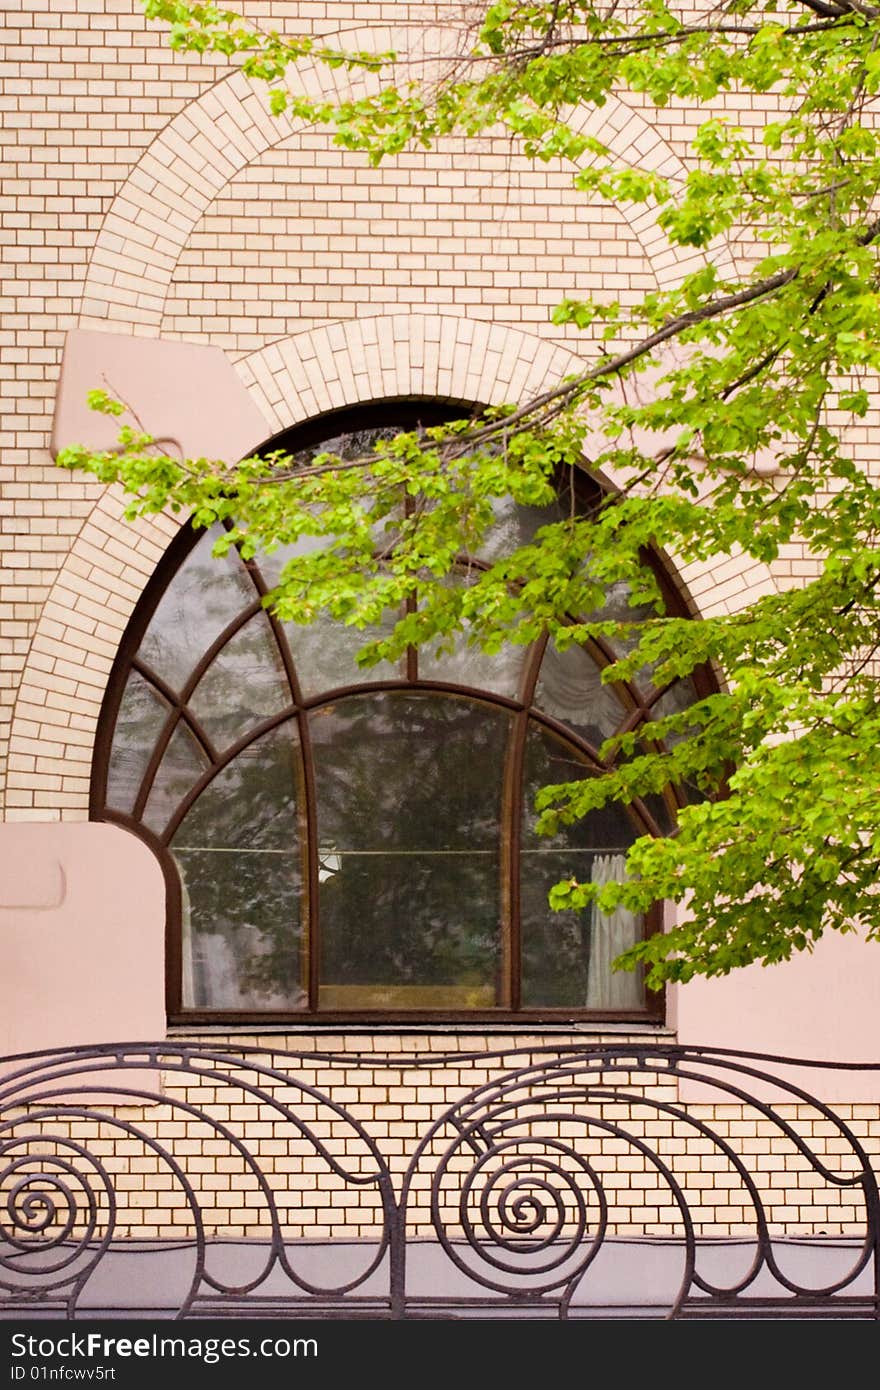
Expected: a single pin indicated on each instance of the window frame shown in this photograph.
(402, 414)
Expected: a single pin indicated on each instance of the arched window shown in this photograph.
(344, 843)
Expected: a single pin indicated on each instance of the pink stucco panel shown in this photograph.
(823, 1005)
(82, 937)
(188, 396)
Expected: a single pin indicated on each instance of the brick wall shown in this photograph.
(305, 1127)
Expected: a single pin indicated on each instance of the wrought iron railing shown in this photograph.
(179, 1180)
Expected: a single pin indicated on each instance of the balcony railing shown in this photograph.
(180, 1180)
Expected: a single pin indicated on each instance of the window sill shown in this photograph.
(647, 1028)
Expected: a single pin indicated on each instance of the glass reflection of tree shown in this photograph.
(141, 716)
(414, 831)
(409, 806)
(204, 596)
(556, 946)
(244, 684)
(239, 852)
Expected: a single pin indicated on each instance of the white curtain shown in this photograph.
(610, 934)
(570, 688)
(188, 993)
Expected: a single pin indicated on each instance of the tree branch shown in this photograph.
(554, 401)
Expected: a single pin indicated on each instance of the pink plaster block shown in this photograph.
(822, 1005)
(82, 928)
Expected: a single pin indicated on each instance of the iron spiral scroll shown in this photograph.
(63, 1207)
(529, 1193)
(58, 1213)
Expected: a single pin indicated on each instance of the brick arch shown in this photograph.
(386, 355)
(223, 130)
(111, 560)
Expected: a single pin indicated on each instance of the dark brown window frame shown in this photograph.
(402, 414)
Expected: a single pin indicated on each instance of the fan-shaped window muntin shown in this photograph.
(360, 843)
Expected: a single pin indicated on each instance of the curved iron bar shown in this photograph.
(23, 1246)
(572, 1278)
(277, 1251)
(164, 1057)
(160, 1055)
(520, 1206)
(629, 1058)
(763, 1253)
(864, 1179)
(77, 1112)
(526, 1079)
(409, 1060)
(666, 1107)
(513, 1080)
(129, 1095)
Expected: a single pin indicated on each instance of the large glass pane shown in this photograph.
(324, 654)
(352, 444)
(515, 526)
(142, 714)
(570, 689)
(566, 956)
(499, 673)
(182, 766)
(678, 697)
(239, 854)
(662, 806)
(618, 606)
(325, 651)
(271, 565)
(409, 808)
(244, 684)
(204, 596)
